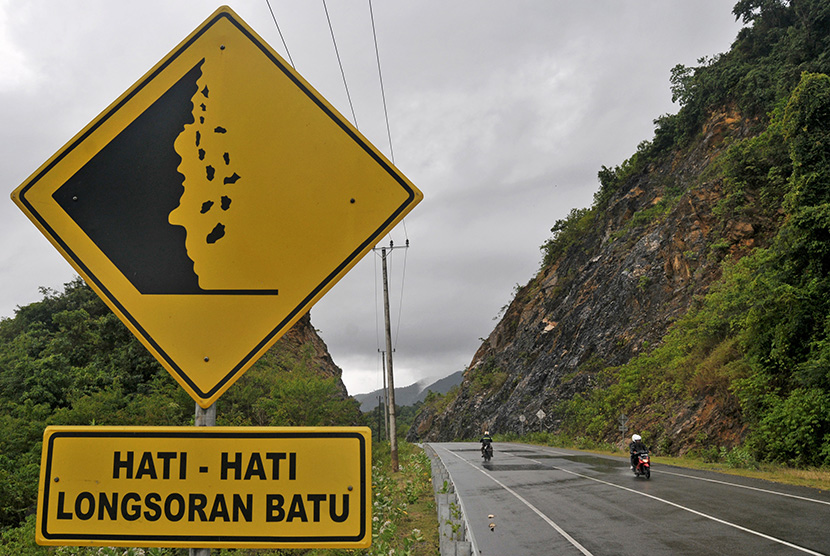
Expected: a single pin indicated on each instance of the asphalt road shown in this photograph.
(553, 501)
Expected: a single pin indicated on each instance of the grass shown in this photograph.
(404, 515)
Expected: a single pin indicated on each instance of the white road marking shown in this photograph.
(804, 498)
(536, 510)
(684, 508)
(463, 512)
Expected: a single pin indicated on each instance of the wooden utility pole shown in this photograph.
(385, 397)
(390, 380)
(390, 377)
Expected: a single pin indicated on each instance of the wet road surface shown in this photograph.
(554, 501)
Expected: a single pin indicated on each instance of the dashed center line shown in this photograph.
(684, 508)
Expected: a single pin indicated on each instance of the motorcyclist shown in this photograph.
(636, 446)
(486, 440)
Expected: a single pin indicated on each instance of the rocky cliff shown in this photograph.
(654, 246)
(303, 335)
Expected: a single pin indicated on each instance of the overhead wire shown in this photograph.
(284, 44)
(400, 305)
(340, 63)
(383, 98)
(377, 309)
(380, 78)
(354, 119)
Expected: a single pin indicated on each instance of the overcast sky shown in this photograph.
(500, 112)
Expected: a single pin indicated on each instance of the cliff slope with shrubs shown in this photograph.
(693, 296)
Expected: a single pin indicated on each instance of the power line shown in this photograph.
(340, 63)
(280, 32)
(385, 113)
(392, 158)
(400, 305)
(377, 309)
(380, 78)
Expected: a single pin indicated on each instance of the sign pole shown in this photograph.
(623, 422)
(204, 418)
(107, 201)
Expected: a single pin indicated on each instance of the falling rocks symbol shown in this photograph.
(122, 197)
(185, 212)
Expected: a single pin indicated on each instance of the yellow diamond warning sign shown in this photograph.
(215, 202)
(299, 487)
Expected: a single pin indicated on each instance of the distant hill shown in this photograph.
(412, 394)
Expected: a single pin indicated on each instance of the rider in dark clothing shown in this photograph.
(486, 440)
(636, 445)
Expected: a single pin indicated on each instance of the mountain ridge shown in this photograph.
(411, 394)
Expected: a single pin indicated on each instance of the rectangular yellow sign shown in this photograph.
(232, 487)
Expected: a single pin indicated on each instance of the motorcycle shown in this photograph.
(643, 466)
(487, 452)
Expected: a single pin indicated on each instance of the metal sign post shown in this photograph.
(203, 418)
(623, 422)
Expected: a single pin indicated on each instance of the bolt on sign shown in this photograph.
(215, 202)
(254, 487)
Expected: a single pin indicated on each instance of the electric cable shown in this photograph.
(383, 98)
(389, 139)
(380, 78)
(400, 305)
(280, 32)
(377, 309)
(340, 63)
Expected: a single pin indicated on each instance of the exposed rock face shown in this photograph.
(303, 334)
(655, 248)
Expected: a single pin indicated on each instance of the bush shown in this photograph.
(796, 429)
(566, 232)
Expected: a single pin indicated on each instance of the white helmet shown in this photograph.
(636, 437)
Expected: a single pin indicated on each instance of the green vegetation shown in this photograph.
(67, 360)
(781, 40)
(284, 389)
(404, 520)
(566, 233)
(405, 415)
(761, 337)
(759, 342)
(438, 402)
(487, 377)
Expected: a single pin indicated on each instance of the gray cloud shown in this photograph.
(500, 112)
